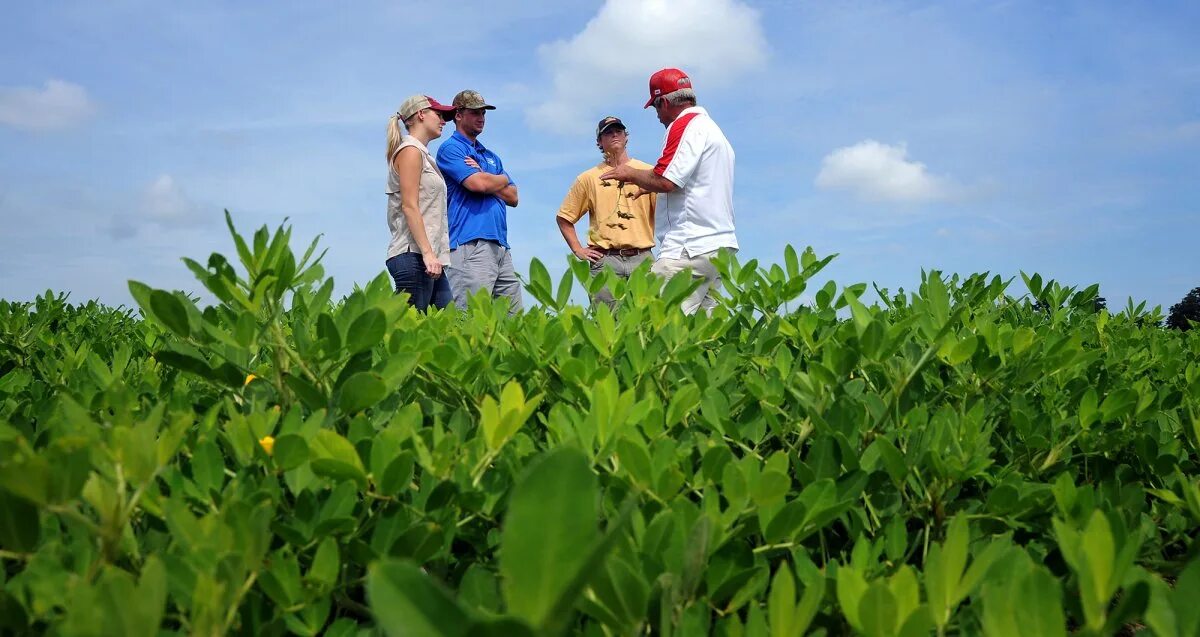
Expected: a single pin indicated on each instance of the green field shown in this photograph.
(977, 456)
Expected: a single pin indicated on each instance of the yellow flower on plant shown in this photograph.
(268, 444)
(249, 377)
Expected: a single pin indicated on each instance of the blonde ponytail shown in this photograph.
(394, 136)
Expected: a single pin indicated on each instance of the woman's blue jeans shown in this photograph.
(408, 271)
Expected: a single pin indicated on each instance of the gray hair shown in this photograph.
(681, 97)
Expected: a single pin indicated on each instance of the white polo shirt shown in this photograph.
(697, 217)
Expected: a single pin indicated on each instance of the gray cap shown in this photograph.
(471, 99)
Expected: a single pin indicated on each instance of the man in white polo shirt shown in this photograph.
(694, 179)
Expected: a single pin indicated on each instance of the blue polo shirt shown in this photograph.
(471, 215)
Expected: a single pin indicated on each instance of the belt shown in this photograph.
(624, 252)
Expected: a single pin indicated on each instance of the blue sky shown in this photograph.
(969, 136)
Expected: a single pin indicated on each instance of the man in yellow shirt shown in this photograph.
(620, 228)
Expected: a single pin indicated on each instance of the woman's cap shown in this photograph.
(418, 103)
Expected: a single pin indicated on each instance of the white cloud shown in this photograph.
(57, 105)
(164, 204)
(879, 172)
(713, 40)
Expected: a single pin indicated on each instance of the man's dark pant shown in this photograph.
(408, 271)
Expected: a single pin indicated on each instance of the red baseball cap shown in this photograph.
(667, 81)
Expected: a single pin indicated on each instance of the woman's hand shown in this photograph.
(433, 267)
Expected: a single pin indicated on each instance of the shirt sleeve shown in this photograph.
(576, 203)
(451, 160)
(687, 158)
(681, 151)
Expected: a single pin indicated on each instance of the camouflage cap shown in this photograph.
(471, 99)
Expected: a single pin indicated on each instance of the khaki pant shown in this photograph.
(483, 265)
(702, 267)
(622, 267)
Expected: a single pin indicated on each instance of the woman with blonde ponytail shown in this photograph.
(416, 191)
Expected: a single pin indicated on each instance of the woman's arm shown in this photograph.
(407, 165)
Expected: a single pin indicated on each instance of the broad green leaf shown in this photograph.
(786, 617)
(326, 563)
(1183, 599)
(859, 312)
(963, 350)
(490, 422)
(408, 603)
(1088, 410)
(208, 466)
(772, 487)
(906, 591)
(151, 598)
(1022, 599)
(171, 312)
(918, 624)
(334, 457)
(851, 587)
(944, 568)
(306, 392)
(810, 603)
(551, 520)
(877, 611)
(1118, 404)
(781, 603)
(1096, 570)
(479, 589)
(366, 331)
(791, 263)
(539, 282)
(635, 460)
(980, 564)
(514, 410)
(684, 401)
(290, 451)
(1022, 338)
(20, 529)
(360, 391)
(1039, 605)
(397, 475)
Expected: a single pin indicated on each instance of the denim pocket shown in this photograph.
(407, 270)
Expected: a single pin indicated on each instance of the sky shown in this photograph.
(971, 136)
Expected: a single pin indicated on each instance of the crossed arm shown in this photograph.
(488, 184)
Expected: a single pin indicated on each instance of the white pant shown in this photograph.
(702, 267)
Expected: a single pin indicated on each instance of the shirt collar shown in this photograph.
(410, 138)
(699, 110)
(463, 139)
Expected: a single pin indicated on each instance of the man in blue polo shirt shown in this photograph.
(478, 193)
